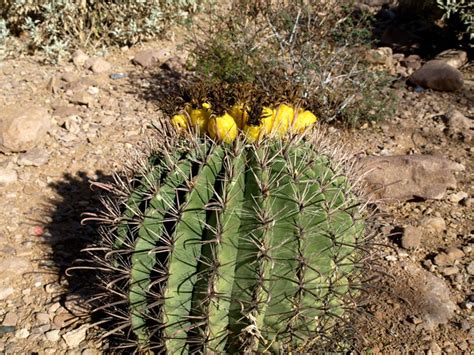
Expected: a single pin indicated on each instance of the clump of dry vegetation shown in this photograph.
(316, 46)
(56, 27)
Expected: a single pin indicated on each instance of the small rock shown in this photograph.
(149, 57)
(79, 58)
(382, 55)
(75, 337)
(82, 98)
(65, 111)
(33, 157)
(63, 319)
(53, 335)
(22, 333)
(7, 176)
(437, 75)
(22, 127)
(405, 177)
(98, 65)
(14, 265)
(411, 237)
(174, 63)
(53, 85)
(458, 196)
(470, 268)
(413, 62)
(68, 77)
(72, 124)
(454, 253)
(453, 57)
(5, 292)
(434, 349)
(433, 298)
(42, 318)
(448, 257)
(93, 90)
(465, 325)
(451, 270)
(10, 319)
(442, 259)
(433, 225)
(459, 126)
(116, 76)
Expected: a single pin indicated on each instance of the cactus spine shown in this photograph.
(231, 248)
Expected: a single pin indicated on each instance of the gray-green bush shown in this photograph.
(58, 26)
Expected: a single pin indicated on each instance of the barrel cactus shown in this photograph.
(242, 247)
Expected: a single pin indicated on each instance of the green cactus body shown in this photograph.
(238, 248)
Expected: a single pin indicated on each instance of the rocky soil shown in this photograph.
(63, 127)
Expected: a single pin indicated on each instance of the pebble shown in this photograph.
(470, 268)
(75, 337)
(8, 176)
(411, 237)
(10, 319)
(65, 111)
(433, 225)
(82, 98)
(53, 335)
(62, 319)
(455, 253)
(116, 76)
(434, 349)
(98, 65)
(148, 57)
(22, 333)
(33, 157)
(23, 127)
(42, 318)
(451, 270)
(93, 90)
(79, 58)
(458, 196)
(448, 257)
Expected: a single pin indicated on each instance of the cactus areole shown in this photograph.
(234, 248)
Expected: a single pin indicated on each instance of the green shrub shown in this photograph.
(313, 45)
(57, 26)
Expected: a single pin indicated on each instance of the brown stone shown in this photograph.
(22, 127)
(405, 177)
(437, 75)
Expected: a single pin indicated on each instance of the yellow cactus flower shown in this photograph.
(303, 120)
(253, 133)
(206, 105)
(222, 128)
(180, 122)
(240, 115)
(267, 119)
(283, 118)
(200, 118)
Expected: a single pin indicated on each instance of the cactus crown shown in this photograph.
(231, 248)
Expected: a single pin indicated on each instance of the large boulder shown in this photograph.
(22, 127)
(406, 177)
(437, 75)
